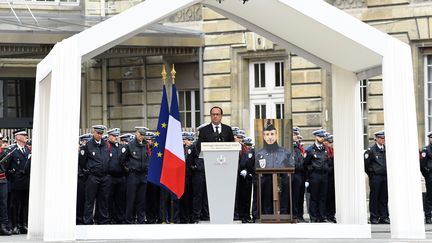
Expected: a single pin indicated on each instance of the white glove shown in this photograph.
(306, 184)
(243, 173)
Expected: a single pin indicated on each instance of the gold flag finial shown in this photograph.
(164, 74)
(173, 73)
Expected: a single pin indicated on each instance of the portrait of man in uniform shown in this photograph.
(272, 155)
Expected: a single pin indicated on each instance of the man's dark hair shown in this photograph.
(216, 107)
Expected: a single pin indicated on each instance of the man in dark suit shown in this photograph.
(215, 131)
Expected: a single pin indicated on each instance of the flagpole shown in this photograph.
(173, 73)
(164, 74)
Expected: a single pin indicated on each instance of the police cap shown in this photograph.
(99, 128)
(114, 132)
(319, 133)
(141, 130)
(379, 134)
(21, 131)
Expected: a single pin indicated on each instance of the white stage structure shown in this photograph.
(350, 49)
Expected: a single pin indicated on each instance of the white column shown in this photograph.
(403, 170)
(55, 164)
(348, 147)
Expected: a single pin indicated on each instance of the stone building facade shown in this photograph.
(218, 62)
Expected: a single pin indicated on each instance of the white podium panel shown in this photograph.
(221, 165)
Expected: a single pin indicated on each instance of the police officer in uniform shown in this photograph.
(376, 169)
(199, 192)
(298, 178)
(117, 202)
(273, 156)
(426, 170)
(82, 177)
(94, 159)
(185, 202)
(4, 217)
(331, 204)
(246, 172)
(135, 161)
(317, 164)
(19, 177)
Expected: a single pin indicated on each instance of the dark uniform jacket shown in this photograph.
(134, 157)
(279, 158)
(426, 160)
(190, 156)
(298, 159)
(115, 168)
(94, 157)
(19, 167)
(316, 159)
(375, 161)
(247, 161)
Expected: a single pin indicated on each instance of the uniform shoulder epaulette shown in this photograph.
(12, 146)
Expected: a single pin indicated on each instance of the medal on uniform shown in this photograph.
(134, 153)
(94, 153)
(250, 155)
(189, 151)
(123, 149)
(110, 154)
(262, 163)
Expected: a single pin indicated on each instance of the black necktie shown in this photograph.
(217, 129)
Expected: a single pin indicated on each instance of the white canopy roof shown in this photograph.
(313, 29)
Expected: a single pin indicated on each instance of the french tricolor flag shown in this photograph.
(174, 166)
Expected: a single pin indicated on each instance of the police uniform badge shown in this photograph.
(366, 155)
(82, 152)
(423, 154)
(110, 154)
(93, 153)
(250, 155)
(123, 150)
(262, 163)
(134, 152)
(189, 151)
(315, 156)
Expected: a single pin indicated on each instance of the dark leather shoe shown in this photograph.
(428, 221)
(385, 221)
(15, 231)
(23, 230)
(301, 220)
(374, 221)
(332, 219)
(4, 230)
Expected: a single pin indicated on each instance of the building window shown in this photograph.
(279, 74)
(259, 75)
(260, 111)
(428, 94)
(189, 107)
(266, 91)
(16, 102)
(280, 111)
(363, 104)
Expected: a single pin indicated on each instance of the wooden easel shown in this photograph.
(276, 217)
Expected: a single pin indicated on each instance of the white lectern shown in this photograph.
(221, 165)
